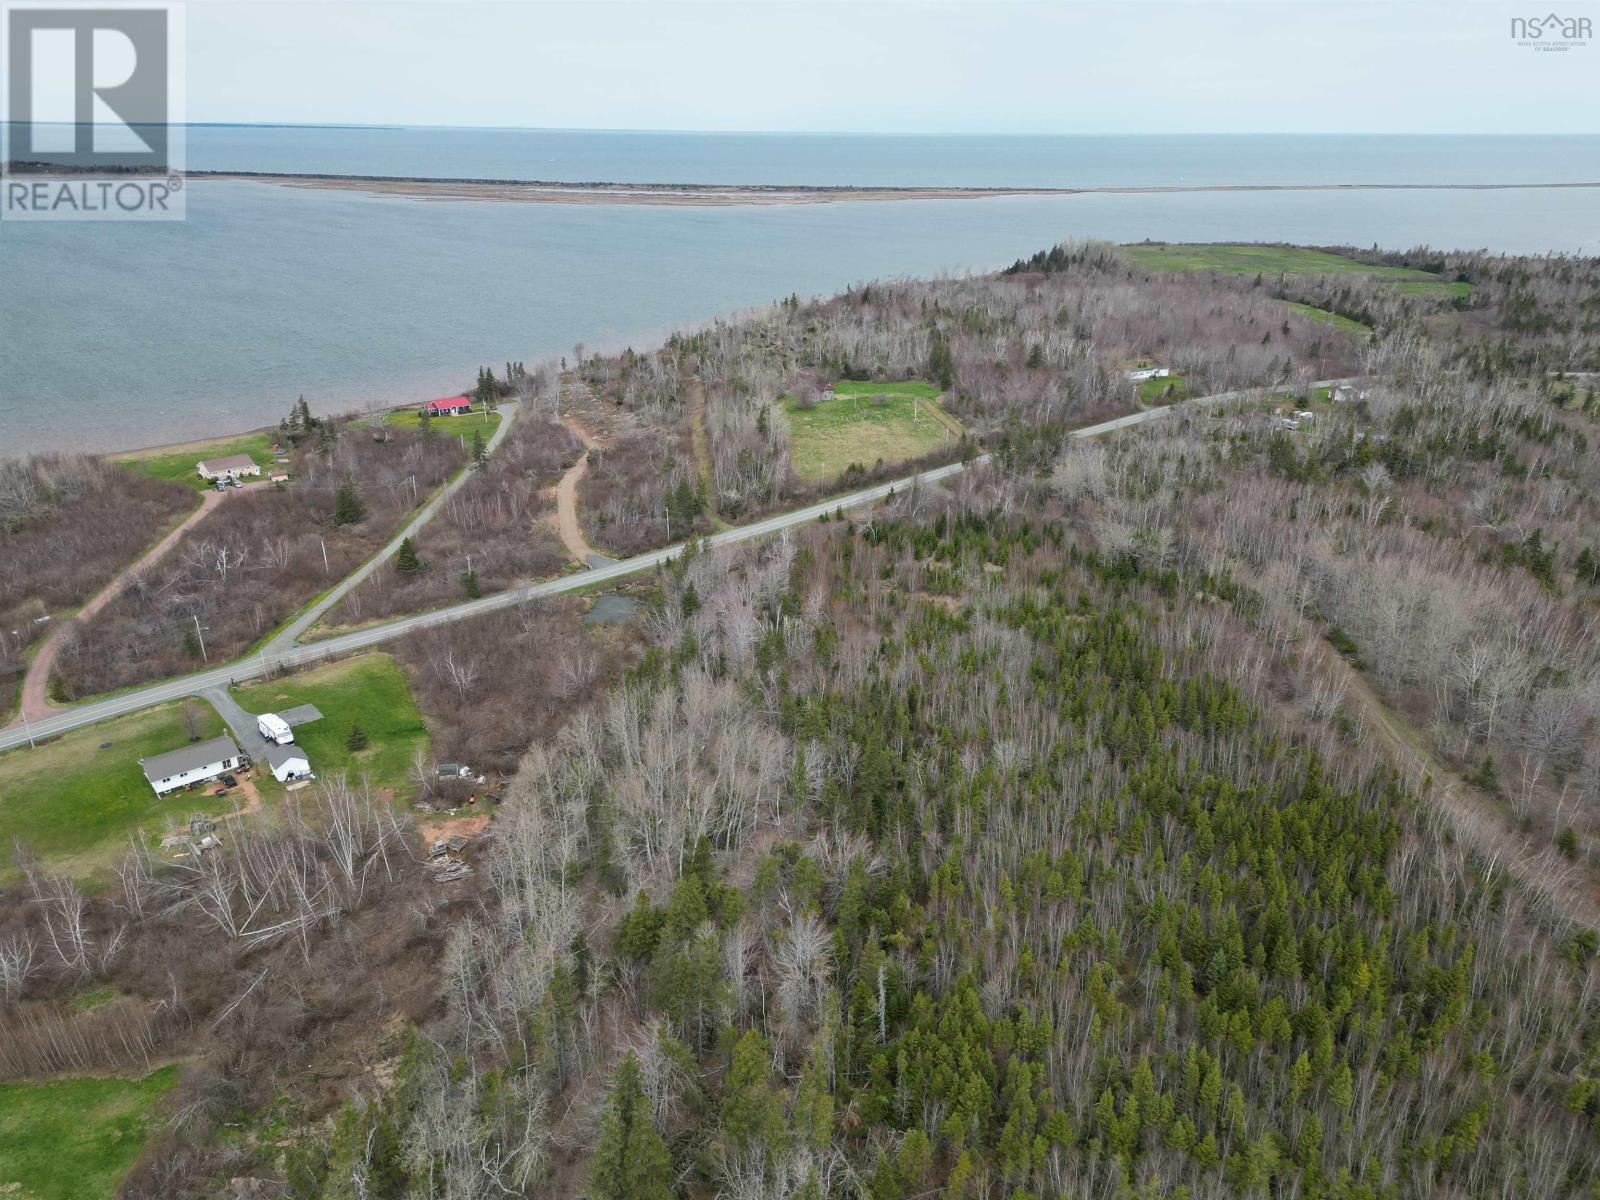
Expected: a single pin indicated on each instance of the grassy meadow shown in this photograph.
(370, 691)
(863, 424)
(1325, 317)
(75, 800)
(75, 1138)
(177, 462)
(1286, 260)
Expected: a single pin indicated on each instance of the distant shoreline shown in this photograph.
(549, 191)
(714, 194)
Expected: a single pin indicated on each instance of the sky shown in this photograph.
(894, 66)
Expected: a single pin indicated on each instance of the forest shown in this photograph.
(259, 557)
(68, 523)
(1208, 810)
(497, 530)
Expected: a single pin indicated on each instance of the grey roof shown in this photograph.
(228, 462)
(175, 762)
(278, 755)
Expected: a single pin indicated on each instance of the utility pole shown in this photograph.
(28, 729)
(200, 637)
(324, 542)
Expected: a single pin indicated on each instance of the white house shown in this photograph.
(1140, 374)
(275, 729)
(232, 466)
(193, 764)
(288, 763)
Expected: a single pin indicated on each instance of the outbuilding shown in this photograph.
(232, 466)
(288, 763)
(198, 763)
(450, 406)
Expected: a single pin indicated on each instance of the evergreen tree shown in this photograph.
(480, 452)
(357, 738)
(469, 584)
(752, 1108)
(406, 561)
(425, 429)
(941, 363)
(347, 506)
(630, 1161)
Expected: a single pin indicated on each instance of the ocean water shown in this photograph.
(122, 335)
(823, 158)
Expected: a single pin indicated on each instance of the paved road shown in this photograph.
(270, 659)
(286, 638)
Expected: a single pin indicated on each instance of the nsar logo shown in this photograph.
(1552, 32)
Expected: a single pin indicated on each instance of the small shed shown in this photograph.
(231, 466)
(288, 763)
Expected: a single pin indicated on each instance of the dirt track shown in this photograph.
(1474, 817)
(567, 497)
(36, 704)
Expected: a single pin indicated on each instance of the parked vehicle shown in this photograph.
(275, 729)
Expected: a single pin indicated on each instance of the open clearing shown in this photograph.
(177, 462)
(411, 418)
(75, 1138)
(1325, 317)
(866, 423)
(1164, 390)
(1285, 260)
(75, 800)
(370, 691)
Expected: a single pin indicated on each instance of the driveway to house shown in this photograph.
(271, 658)
(240, 723)
(567, 500)
(290, 634)
(36, 704)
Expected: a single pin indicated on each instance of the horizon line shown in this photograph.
(605, 129)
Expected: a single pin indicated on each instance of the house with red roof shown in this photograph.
(450, 406)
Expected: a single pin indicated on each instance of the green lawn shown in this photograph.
(410, 418)
(856, 427)
(370, 690)
(1285, 260)
(75, 1138)
(76, 799)
(178, 463)
(1166, 390)
(1331, 318)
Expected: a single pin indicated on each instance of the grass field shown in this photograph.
(1285, 260)
(1166, 390)
(370, 690)
(177, 463)
(1328, 318)
(410, 418)
(75, 800)
(855, 428)
(74, 1139)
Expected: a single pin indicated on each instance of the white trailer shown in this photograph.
(275, 729)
